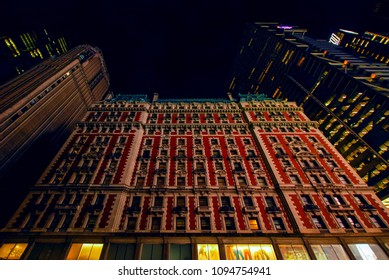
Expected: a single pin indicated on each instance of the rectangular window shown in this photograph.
(12, 251)
(180, 223)
(270, 201)
(180, 252)
(160, 181)
(250, 252)
(230, 223)
(136, 201)
(294, 252)
(156, 223)
(205, 223)
(181, 201)
(342, 222)
(226, 201)
(85, 251)
(92, 221)
(152, 252)
(140, 181)
(181, 181)
(367, 252)
(248, 201)
(318, 222)
(221, 181)
(295, 179)
(131, 223)
(278, 223)
(377, 221)
(329, 252)
(254, 224)
(121, 251)
(181, 166)
(208, 252)
(219, 166)
(242, 181)
(201, 181)
(203, 201)
(158, 201)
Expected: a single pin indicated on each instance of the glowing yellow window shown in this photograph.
(250, 252)
(85, 251)
(208, 252)
(254, 223)
(12, 251)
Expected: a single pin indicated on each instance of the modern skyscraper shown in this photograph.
(346, 93)
(20, 53)
(38, 111)
(246, 179)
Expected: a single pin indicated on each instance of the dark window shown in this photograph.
(203, 201)
(180, 252)
(205, 223)
(180, 181)
(230, 223)
(270, 201)
(156, 223)
(158, 201)
(136, 201)
(180, 201)
(121, 251)
(131, 223)
(180, 223)
(318, 222)
(226, 201)
(91, 222)
(278, 223)
(248, 201)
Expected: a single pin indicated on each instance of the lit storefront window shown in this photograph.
(85, 251)
(250, 252)
(12, 251)
(329, 252)
(367, 252)
(294, 252)
(208, 252)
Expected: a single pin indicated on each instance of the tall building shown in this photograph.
(38, 111)
(346, 93)
(246, 179)
(20, 53)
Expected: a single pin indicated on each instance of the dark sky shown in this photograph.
(178, 48)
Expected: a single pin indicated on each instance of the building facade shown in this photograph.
(247, 179)
(345, 93)
(20, 53)
(38, 111)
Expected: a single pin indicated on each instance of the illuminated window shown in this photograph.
(367, 252)
(208, 252)
(12, 251)
(329, 252)
(180, 252)
(250, 252)
(254, 225)
(294, 252)
(85, 251)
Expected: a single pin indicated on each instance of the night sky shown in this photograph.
(177, 48)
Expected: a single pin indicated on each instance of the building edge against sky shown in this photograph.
(344, 91)
(251, 178)
(38, 111)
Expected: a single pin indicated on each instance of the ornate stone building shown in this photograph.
(249, 179)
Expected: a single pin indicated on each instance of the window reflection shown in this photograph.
(367, 252)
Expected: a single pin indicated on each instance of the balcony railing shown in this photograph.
(238, 170)
(199, 170)
(337, 207)
(250, 209)
(203, 209)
